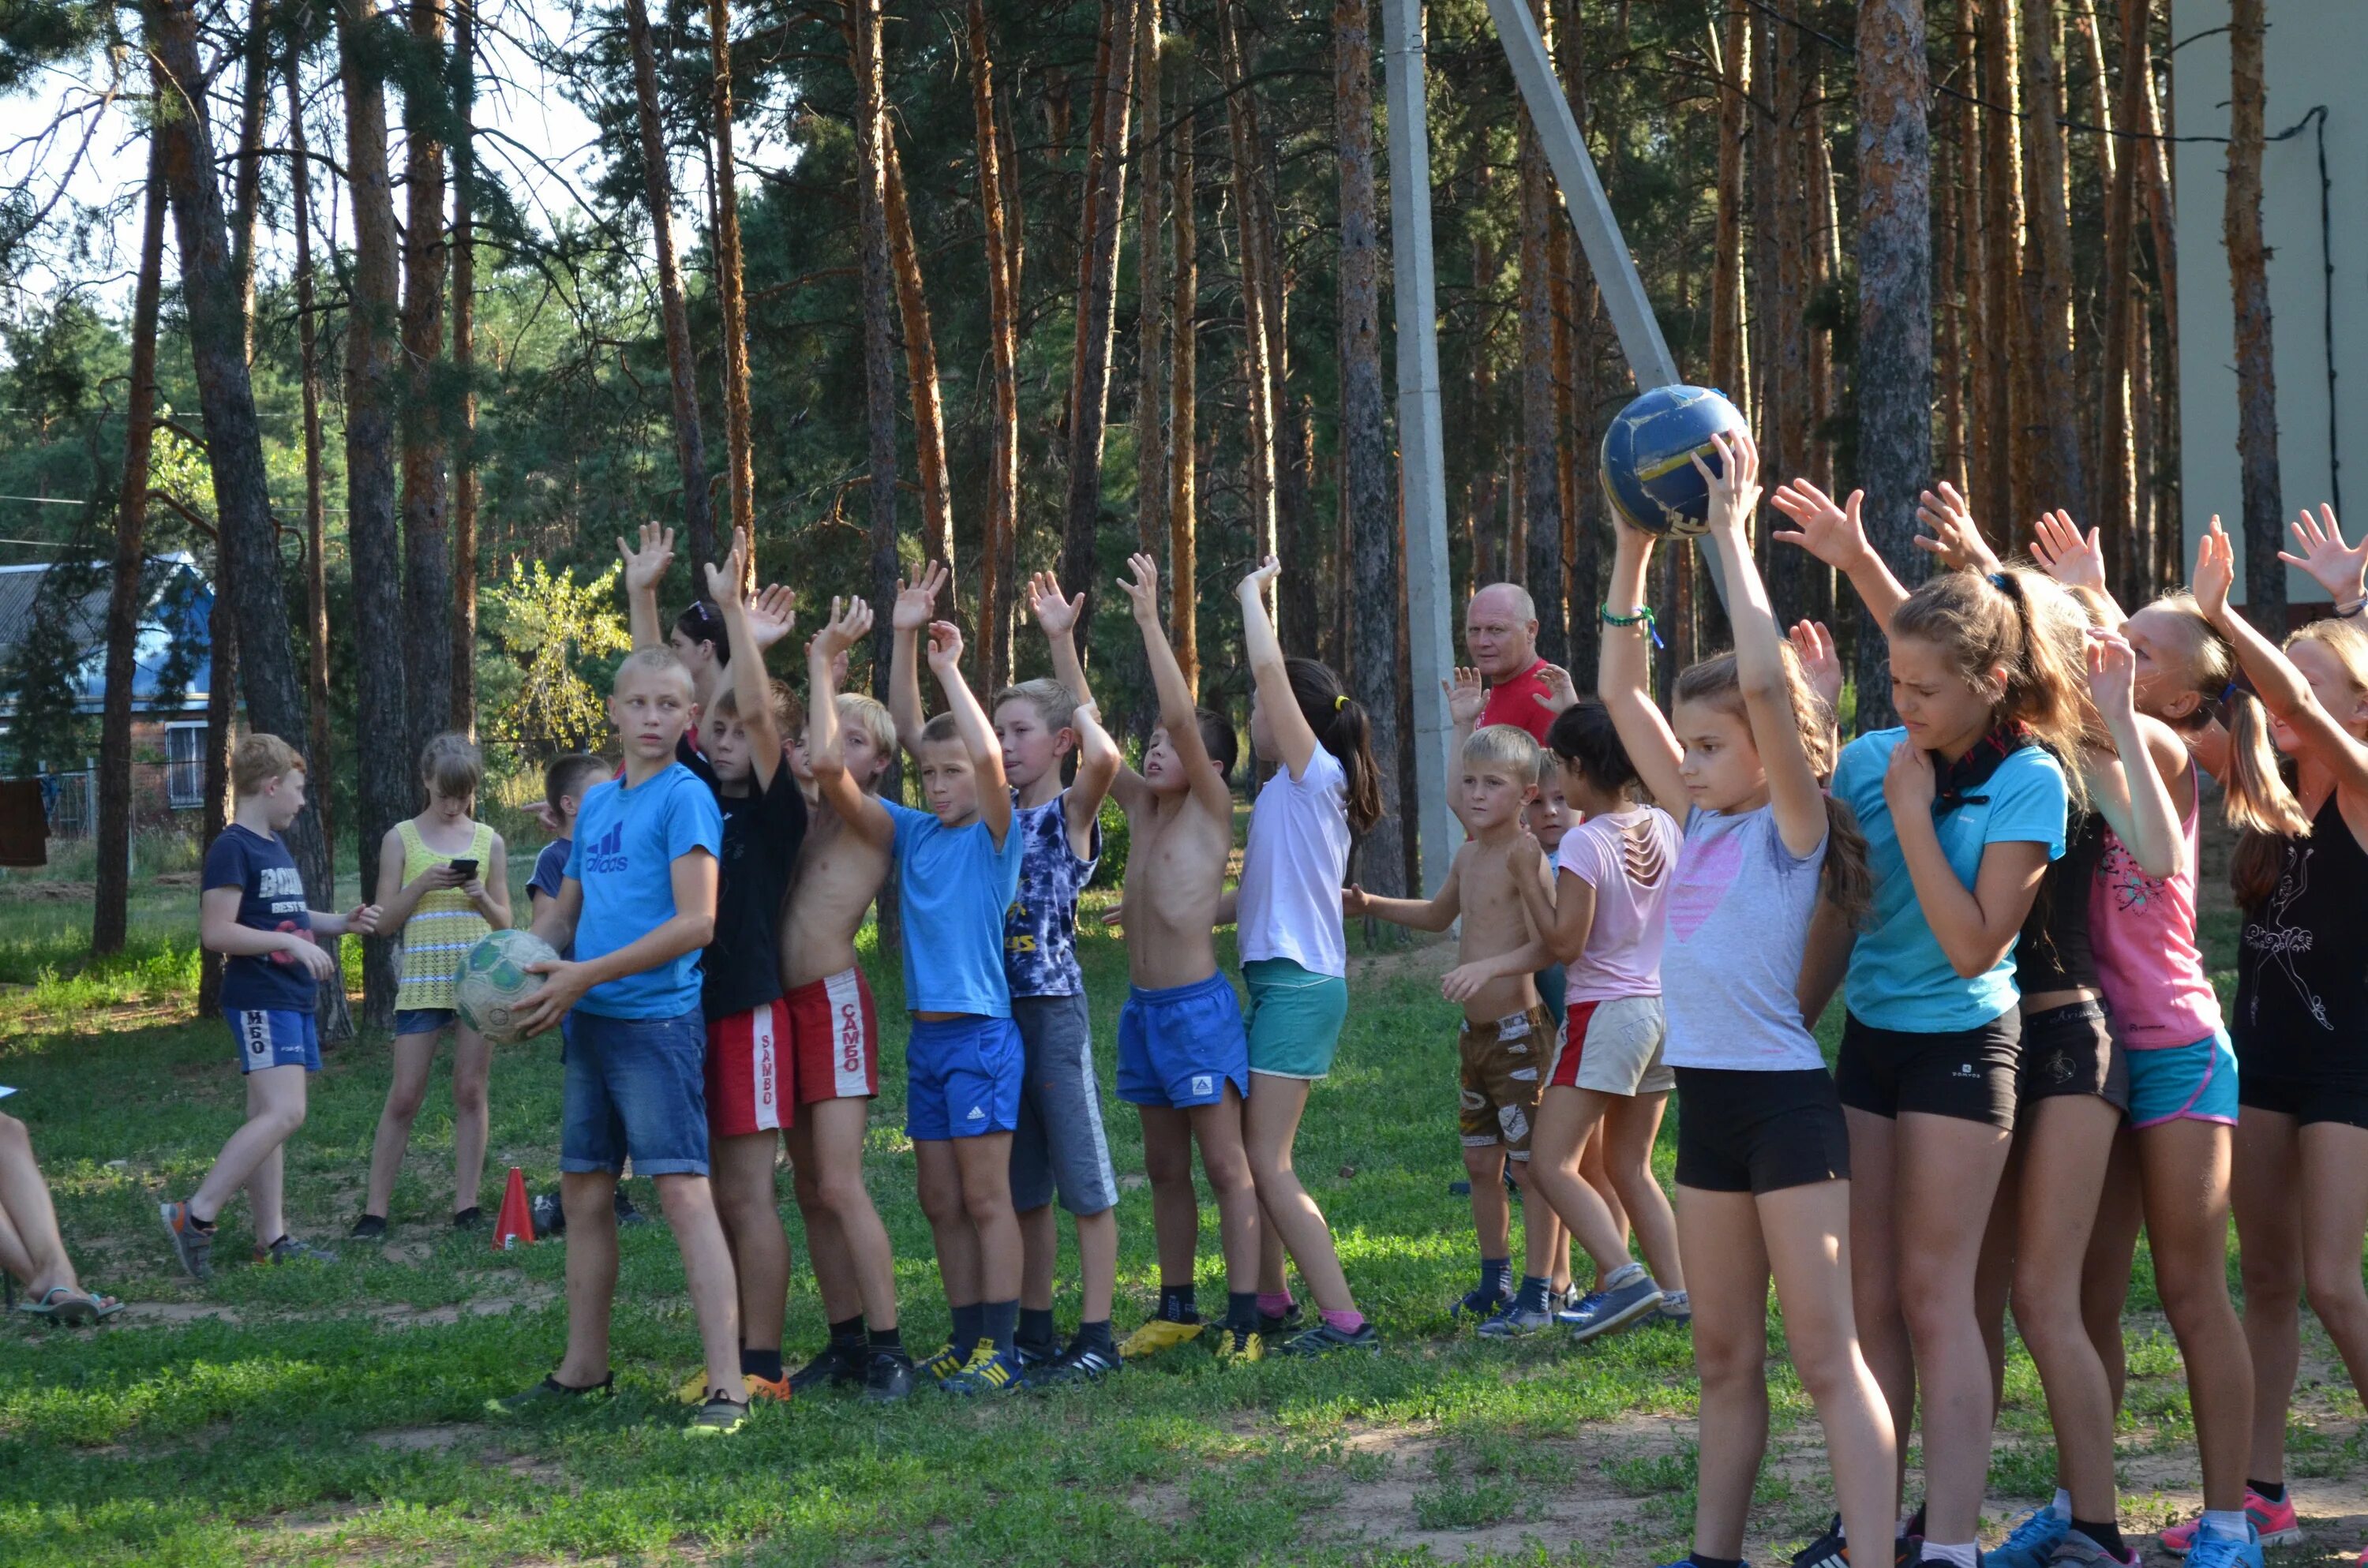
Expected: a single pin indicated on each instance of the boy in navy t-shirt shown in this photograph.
(252, 910)
(958, 870)
(638, 904)
(565, 781)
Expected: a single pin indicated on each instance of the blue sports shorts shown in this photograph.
(2197, 1081)
(1180, 1047)
(274, 1037)
(634, 1087)
(962, 1077)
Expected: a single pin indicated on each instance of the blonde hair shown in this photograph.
(2254, 797)
(789, 713)
(2017, 621)
(657, 659)
(453, 766)
(1054, 703)
(1845, 881)
(869, 715)
(1505, 744)
(258, 760)
(2273, 812)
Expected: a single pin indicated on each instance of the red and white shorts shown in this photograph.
(835, 1037)
(749, 1076)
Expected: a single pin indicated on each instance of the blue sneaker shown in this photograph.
(1476, 1302)
(2212, 1550)
(1513, 1320)
(988, 1371)
(2031, 1542)
(1614, 1306)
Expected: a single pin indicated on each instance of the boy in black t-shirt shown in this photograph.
(750, 1095)
(252, 912)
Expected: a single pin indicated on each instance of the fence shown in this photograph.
(161, 792)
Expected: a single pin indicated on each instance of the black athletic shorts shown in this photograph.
(1745, 1131)
(1967, 1074)
(2071, 1051)
(2304, 1101)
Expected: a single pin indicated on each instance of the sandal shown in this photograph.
(76, 1309)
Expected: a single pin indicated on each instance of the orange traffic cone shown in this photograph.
(517, 1221)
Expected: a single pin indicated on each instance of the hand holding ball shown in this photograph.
(495, 987)
(1648, 450)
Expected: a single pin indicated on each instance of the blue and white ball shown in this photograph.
(1648, 452)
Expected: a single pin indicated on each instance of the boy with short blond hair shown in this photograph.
(1506, 1041)
(252, 912)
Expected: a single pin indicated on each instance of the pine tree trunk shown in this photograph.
(221, 653)
(1183, 394)
(1541, 480)
(1966, 360)
(920, 369)
(1580, 394)
(2249, 280)
(1373, 516)
(386, 768)
(1785, 407)
(1728, 350)
(682, 362)
(465, 359)
(2116, 459)
(2003, 444)
(879, 329)
(275, 700)
(111, 897)
(316, 578)
(739, 464)
(1484, 561)
(1001, 521)
(1258, 375)
(1097, 305)
(2061, 473)
(254, 87)
(1151, 477)
(426, 541)
(1895, 356)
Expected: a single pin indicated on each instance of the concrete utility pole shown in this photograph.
(1422, 472)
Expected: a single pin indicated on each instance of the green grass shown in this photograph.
(335, 1414)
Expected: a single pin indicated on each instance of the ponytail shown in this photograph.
(1343, 729)
(2019, 622)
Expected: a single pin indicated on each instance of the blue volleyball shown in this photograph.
(1648, 452)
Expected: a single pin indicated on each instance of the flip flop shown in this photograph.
(72, 1307)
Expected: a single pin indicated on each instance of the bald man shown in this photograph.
(1501, 633)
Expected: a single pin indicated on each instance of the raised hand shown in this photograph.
(1254, 585)
(2112, 674)
(1142, 593)
(2215, 573)
(845, 627)
(1560, 691)
(1954, 539)
(1468, 696)
(2057, 545)
(2341, 568)
(647, 563)
(916, 603)
(772, 615)
(1058, 615)
(1820, 660)
(945, 650)
(723, 582)
(1829, 530)
(1734, 489)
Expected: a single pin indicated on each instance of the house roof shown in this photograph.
(174, 603)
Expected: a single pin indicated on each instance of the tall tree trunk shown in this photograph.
(317, 577)
(1785, 408)
(739, 464)
(387, 771)
(1488, 531)
(1373, 530)
(682, 362)
(1258, 377)
(464, 361)
(1151, 477)
(111, 897)
(427, 542)
(275, 700)
(1183, 394)
(2115, 464)
(2005, 446)
(1965, 352)
(2249, 280)
(1728, 350)
(1895, 356)
(1001, 522)
(2055, 375)
(1541, 480)
(254, 87)
(221, 704)
(921, 367)
(1089, 381)
(1580, 395)
(879, 330)
(2151, 152)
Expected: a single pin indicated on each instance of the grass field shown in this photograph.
(332, 1413)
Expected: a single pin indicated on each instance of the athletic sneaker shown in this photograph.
(194, 1247)
(2273, 1522)
(288, 1249)
(549, 1394)
(778, 1389)
(1512, 1321)
(836, 1367)
(626, 1213)
(1603, 1312)
(2077, 1550)
(469, 1219)
(720, 1418)
(1322, 1339)
(2030, 1541)
(1079, 1363)
(1274, 1327)
(2209, 1551)
(368, 1228)
(1677, 1309)
(1240, 1344)
(946, 1362)
(989, 1371)
(1157, 1334)
(887, 1377)
(1478, 1303)
(1028, 1358)
(1828, 1551)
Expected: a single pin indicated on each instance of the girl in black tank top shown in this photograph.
(2302, 962)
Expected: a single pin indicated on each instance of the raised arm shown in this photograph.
(858, 808)
(1058, 617)
(2280, 686)
(1293, 737)
(2341, 568)
(1176, 711)
(2074, 559)
(751, 691)
(2136, 798)
(970, 723)
(1792, 785)
(646, 568)
(1098, 765)
(1621, 675)
(915, 606)
(1954, 536)
(1831, 532)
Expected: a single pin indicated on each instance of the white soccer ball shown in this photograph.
(495, 984)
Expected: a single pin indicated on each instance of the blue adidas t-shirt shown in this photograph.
(1040, 930)
(1899, 978)
(627, 840)
(270, 898)
(954, 887)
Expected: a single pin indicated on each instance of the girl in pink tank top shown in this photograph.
(2142, 932)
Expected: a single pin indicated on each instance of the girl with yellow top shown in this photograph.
(449, 886)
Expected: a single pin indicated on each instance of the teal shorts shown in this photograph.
(1295, 1018)
(2197, 1081)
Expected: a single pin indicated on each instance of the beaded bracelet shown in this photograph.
(1643, 617)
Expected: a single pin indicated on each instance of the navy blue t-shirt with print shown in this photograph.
(270, 898)
(1040, 930)
(550, 871)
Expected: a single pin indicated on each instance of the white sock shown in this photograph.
(2062, 1506)
(2228, 1524)
(1969, 1555)
(1675, 1299)
(1627, 1274)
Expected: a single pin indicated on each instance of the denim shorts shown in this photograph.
(424, 1020)
(635, 1087)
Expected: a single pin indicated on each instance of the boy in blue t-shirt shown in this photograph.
(638, 905)
(958, 870)
(252, 910)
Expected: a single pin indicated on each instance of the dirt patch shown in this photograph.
(47, 890)
(420, 1439)
(394, 1314)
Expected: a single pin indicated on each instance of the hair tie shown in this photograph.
(1998, 581)
(1339, 702)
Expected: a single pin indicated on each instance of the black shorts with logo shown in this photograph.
(1965, 1074)
(2071, 1051)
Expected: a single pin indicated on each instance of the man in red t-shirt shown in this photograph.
(1501, 633)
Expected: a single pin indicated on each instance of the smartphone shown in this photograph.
(466, 867)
